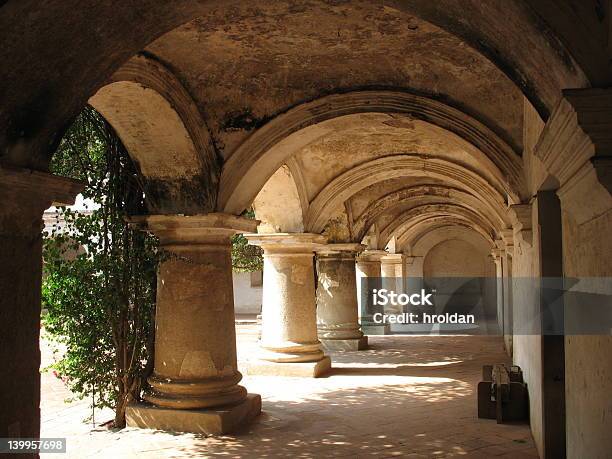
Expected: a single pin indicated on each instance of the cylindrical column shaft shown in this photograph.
(391, 273)
(24, 195)
(195, 338)
(337, 315)
(289, 327)
(368, 278)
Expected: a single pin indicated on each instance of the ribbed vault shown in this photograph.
(269, 147)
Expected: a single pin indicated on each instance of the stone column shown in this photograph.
(337, 318)
(413, 267)
(368, 278)
(24, 195)
(508, 286)
(194, 387)
(391, 273)
(499, 290)
(289, 344)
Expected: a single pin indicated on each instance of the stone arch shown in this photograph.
(63, 76)
(266, 149)
(433, 192)
(420, 216)
(397, 166)
(412, 234)
(421, 244)
(457, 258)
(469, 206)
(164, 133)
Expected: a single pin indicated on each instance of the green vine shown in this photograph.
(99, 273)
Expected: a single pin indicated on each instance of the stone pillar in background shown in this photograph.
(508, 286)
(195, 382)
(499, 283)
(413, 274)
(337, 318)
(24, 195)
(413, 267)
(289, 344)
(391, 273)
(369, 275)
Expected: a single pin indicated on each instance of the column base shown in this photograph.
(376, 329)
(211, 421)
(355, 344)
(297, 369)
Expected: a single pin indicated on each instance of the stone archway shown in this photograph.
(164, 133)
(263, 152)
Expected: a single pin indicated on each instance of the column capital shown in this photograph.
(371, 255)
(340, 248)
(392, 258)
(507, 240)
(25, 194)
(48, 188)
(287, 242)
(520, 214)
(194, 229)
(576, 149)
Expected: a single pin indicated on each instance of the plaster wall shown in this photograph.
(527, 347)
(458, 258)
(588, 252)
(247, 299)
(455, 258)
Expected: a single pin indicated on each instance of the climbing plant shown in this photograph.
(245, 257)
(100, 273)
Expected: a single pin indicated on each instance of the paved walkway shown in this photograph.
(408, 396)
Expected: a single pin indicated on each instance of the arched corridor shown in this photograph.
(390, 145)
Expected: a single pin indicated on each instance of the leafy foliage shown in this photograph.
(100, 274)
(245, 257)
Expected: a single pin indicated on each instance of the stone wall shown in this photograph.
(588, 252)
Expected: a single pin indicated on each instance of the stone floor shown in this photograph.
(408, 396)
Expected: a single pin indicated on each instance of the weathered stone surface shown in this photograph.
(289, 325)
(295, 369)
(24, 195)
(216, 421)
(418, 127)
(337, 310)
(195, 337)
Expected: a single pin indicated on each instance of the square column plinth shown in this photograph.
(354, 344)
(376, 329)
(216, 421)
(296, 369)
